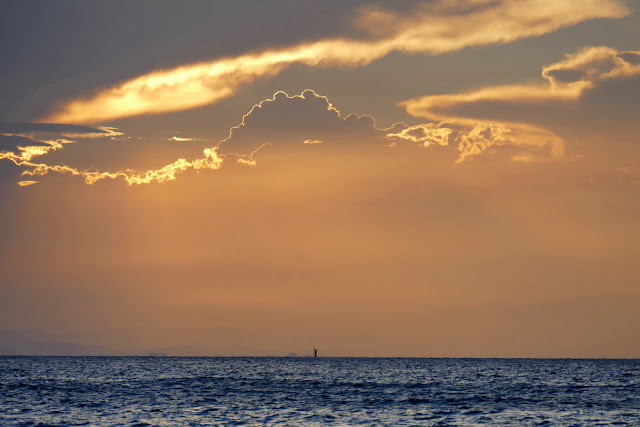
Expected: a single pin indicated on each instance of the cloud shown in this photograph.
(20, 143)
(66, 130)
(283, 123)
(210, 160)
(481, 138)
(432, 28)
(426, 135)
(583, 70)
(525, 115)
(308, 123)
(12, 142)
(295, 125)
(292, 122)
(297, 121)
(23, 147)
(181, 139)
(19, 148)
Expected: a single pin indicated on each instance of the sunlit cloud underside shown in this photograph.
(432, 29)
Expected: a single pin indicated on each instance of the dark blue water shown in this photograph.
(323, 391)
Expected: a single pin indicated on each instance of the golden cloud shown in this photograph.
(241, 145)
(182, 139)
(28, 152)
(435, 28)
(426, 135)
(210, 160)
(566, 81)
(24, 155)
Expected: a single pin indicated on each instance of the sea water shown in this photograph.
(317, 391)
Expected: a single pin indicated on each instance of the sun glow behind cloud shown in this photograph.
(434, 28)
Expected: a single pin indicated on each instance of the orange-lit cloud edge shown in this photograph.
(433, 28)
(211, 158)
(473, 137)
(567, 80)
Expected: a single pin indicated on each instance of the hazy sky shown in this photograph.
(374, 178)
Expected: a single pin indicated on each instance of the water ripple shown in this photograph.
(325, 391)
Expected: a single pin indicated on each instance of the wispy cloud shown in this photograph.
(33, 148)
(181, 139)
(20, 143)
(66, 130)
(433, 28)
(210, 160)
(310, 122)
(297, 120)
(490, 116)
(29, 146)
(426, 135)
(304, 120)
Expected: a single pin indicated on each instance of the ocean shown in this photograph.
(203, 391)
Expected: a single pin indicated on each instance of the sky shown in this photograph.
(415, 178)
